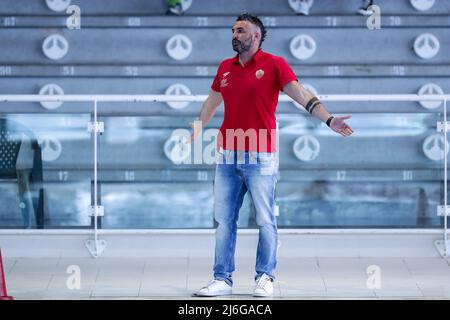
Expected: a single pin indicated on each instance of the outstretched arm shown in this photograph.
(313, 105)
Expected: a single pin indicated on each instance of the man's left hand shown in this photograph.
(338, 125)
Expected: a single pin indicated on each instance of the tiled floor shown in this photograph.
(177, 278)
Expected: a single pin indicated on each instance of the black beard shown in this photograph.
(240, 47)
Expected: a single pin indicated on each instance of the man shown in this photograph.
(249, 85)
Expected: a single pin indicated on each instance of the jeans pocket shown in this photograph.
(220, 154)
(267, 162)
(265, 158)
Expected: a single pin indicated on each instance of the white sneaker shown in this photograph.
(264, 287)
(303, 7)
(365, 11)
(214, 288)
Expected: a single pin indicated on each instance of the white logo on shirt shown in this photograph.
(223, 83)
(259, 74)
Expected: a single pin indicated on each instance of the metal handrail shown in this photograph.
(200, 98)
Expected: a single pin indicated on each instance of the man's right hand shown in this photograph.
(196, 129)
(208, 109)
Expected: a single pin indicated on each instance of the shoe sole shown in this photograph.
(222, 293)
(365, 13)
(262, 295)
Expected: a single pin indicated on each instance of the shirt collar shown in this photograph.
(256, 57)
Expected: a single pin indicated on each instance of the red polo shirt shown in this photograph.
(250, 95)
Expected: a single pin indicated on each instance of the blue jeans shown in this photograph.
(236, 173)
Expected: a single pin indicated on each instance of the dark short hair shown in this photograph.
(256, 21)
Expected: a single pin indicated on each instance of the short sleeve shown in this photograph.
(216, 83)
(284, 73)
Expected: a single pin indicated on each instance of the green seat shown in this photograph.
(21, 160)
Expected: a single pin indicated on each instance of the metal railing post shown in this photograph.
(445, 247)
(96, 246)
